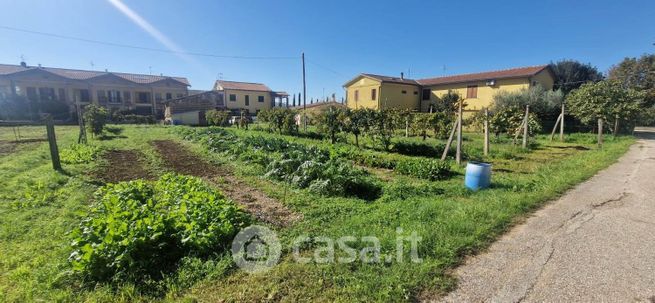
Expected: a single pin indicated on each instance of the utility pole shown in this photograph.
(561, 125)
(304, 94)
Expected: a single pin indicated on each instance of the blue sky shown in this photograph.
(340, 38)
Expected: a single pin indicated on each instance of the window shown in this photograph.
(404, 92)
(169, 96)
(356, 95)
(415, 92)
(158, 97)
(472, 91)
(233, 97)
(247, 100)
(374, 94)
(127, 96)
(260, 99)
(426, 94)
(114, 96)
(85, 96)
(143, 97)
(102, 96)
(47, 94)
(62, 94)
(31, 94)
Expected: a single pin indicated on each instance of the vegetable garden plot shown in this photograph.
(255, 201)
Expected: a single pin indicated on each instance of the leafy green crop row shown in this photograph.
(248, 148)
(142, 229)
(297, 164)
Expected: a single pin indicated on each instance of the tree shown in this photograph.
(605, 101)
(95, 118)
(422, 122)
(356, 122)
(331, 122)
(14, 107)
(638, 74)
(279, 119)
(571, 74)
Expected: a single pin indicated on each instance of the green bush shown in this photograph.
(95, 118)
(217, 117)
(79, 153)
(141, 229)
(424, 168)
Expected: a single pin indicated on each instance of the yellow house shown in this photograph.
(380, 92)
(245, 95)
(477, 89)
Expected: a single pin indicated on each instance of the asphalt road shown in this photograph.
(594, 244)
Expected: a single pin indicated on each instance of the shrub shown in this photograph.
(217, 117)
(141, 229)
(79, 153)
(95, 118)
(424, 168)
(283, 120)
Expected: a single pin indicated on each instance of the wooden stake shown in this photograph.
(552, 134)
(486, 132)
(458, 155)
(450, 140)
(518, 131)
(407, 126)
(561, 125)
(600, 133)
(526, 126)
(52, 141)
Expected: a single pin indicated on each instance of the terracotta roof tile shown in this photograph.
(500, 74)
(241, 86)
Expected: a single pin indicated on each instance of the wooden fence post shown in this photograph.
(52, 141)
(552, 134)
(486, 132)
(561, 125)
(600, 133)
(526, 126)
(458, 155)
(450, 140)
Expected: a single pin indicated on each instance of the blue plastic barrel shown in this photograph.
(478, 175)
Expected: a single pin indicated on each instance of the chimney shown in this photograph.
(402, 76)
(23, 64)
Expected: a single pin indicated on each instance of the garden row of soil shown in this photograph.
(255, 201)
(122, 165)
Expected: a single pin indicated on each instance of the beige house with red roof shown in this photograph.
(478, 89)
(249, 96)
(137, 93)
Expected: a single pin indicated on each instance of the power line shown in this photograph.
(143, 47)
(325, 68)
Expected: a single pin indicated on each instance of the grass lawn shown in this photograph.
(38, 207)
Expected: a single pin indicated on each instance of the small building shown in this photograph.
(252, 97)
(137, 93)
(190, 110)
(478, 89)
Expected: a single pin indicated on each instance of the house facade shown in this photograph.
(252, 97)
(478, 90)
(137, 93)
